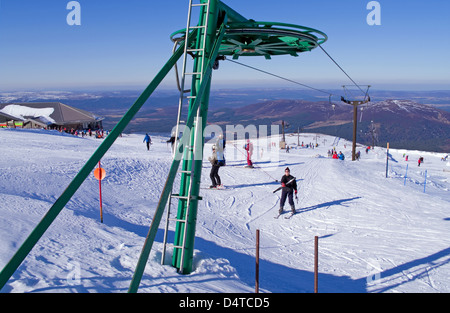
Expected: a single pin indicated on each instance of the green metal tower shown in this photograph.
(193, 156)
(220, 32)
(238, 37)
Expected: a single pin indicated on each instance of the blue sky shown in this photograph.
(123, 44)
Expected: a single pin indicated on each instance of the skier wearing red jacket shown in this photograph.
(249, 148)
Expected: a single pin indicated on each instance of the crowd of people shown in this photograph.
(98, 133)
(334, 155)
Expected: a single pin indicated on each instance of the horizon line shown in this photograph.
(136, 88)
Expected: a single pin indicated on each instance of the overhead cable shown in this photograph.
(281, 77)
(342, 69)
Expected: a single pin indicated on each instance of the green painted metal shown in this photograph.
(184, 142)
(245, 37)
(269, 39)
(193, 158)
(57, 207)
(242, 37)
(232, 15)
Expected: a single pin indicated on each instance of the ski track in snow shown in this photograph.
(376, 235)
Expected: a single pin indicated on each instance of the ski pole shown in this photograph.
(406, 175)
(425, 182)
(255, 166)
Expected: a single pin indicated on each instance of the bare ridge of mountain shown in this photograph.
(403, 123)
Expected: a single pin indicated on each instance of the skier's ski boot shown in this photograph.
(292, 209)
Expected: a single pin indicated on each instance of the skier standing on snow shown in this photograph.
(214, 175)
(249, 148)
(420, 161)
(172, 141)
(148, 141)
(220, 146)
(289, 185)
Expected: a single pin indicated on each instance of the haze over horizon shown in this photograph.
(123, 44)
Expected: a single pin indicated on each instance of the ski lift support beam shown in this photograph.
(355, 104)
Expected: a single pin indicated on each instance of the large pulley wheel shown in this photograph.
(265, 39)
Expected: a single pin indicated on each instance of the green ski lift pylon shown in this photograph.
(241, 37)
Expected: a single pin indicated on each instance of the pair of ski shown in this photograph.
(221, 187)
(286, 217)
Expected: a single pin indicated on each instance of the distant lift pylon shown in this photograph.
(355, 104)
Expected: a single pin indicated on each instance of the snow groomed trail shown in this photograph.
(376, 233)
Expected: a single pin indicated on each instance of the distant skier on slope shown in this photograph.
(420, 161)
(148, 141)
(289, 185)
(220, 146)
(214, 175)
(249, 148)
(172, 140)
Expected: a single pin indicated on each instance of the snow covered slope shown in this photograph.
(377, 234)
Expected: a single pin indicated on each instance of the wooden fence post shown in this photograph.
(257, 263)
(316, 264)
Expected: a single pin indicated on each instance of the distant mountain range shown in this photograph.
(402, 123)
(406, 124)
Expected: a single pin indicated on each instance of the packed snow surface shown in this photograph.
(376, 234)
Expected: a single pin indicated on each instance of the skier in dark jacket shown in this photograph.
(289, 185)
